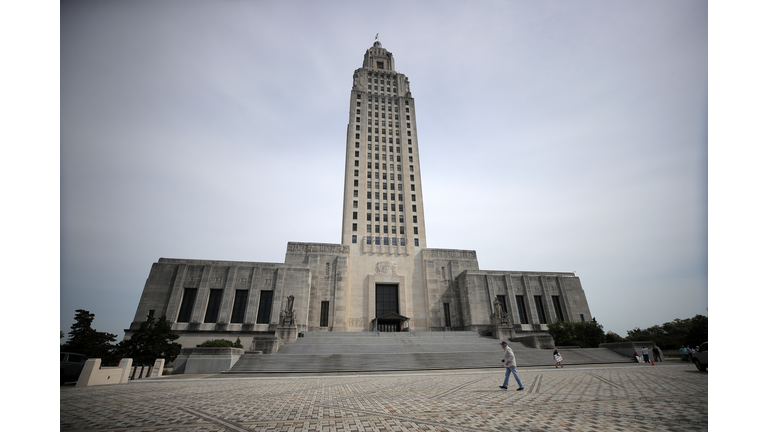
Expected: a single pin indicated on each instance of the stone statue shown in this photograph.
(499, 317)
(287, 315)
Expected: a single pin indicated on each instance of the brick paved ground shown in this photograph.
(612, 398)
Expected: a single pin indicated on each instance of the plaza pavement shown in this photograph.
(666, 397)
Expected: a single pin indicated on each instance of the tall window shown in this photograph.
(238, 310)
(447, 314)
(503, 300)
(265, 307)
(558, 310)
(187, 303)
(324, 314)
(540, 309)
(521, 310)
(214, 302)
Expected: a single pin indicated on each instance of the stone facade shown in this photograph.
(382, 276)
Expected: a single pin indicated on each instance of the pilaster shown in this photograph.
(177, 292)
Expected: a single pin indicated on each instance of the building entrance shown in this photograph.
(387, 309)
(386, 299)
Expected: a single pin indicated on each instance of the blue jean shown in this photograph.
(513, 371)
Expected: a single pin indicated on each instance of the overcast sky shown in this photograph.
(553, 136)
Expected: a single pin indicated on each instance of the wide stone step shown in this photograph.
(368, 352)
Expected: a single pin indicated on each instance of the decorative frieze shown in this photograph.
(386, 267)
(449, 254)
(355, 322)
(318, 248)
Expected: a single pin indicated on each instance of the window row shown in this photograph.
(213, 309)
(388, 197)
(539, 304)
(386, 241)
(375, 120)
(383, 176)
(383, 207)
(383, 185)
(384, 229)
(381, 217)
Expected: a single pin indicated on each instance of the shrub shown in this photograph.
(217, 343)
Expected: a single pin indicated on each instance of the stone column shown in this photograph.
(513, 303)
(277, 295)
(227, 299)
(564, 304)
(177, 292)
(198, 312)
(253, 300)
(338, 307)
(530, 304)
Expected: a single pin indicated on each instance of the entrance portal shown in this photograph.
(386, 299)
(388, 318)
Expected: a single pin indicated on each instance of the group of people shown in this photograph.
(646, 358)
(688, 352)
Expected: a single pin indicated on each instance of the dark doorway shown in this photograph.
(386, 299)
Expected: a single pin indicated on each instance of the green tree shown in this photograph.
(587, 334)
(153, 340)
(698, 333)
(611, 337)
(673, 334)
(83, 339)
(561, 331)
(590, 332)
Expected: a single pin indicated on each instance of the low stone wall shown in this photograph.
(93, 374)
(537, 341)
(206, 360)
(266, 344)
(630, 348)
(156, 370)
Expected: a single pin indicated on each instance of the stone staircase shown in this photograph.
(373, 351)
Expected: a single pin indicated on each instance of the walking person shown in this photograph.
(558, 359)
(645, 355)
(511, 365)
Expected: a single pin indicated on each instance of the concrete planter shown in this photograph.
(206, 360)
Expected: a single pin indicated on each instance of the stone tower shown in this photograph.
(383, 210)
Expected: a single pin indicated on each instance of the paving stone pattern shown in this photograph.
(610, 398)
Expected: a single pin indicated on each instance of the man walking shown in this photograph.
(509, 362)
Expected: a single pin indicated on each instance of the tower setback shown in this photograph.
(382, 277)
